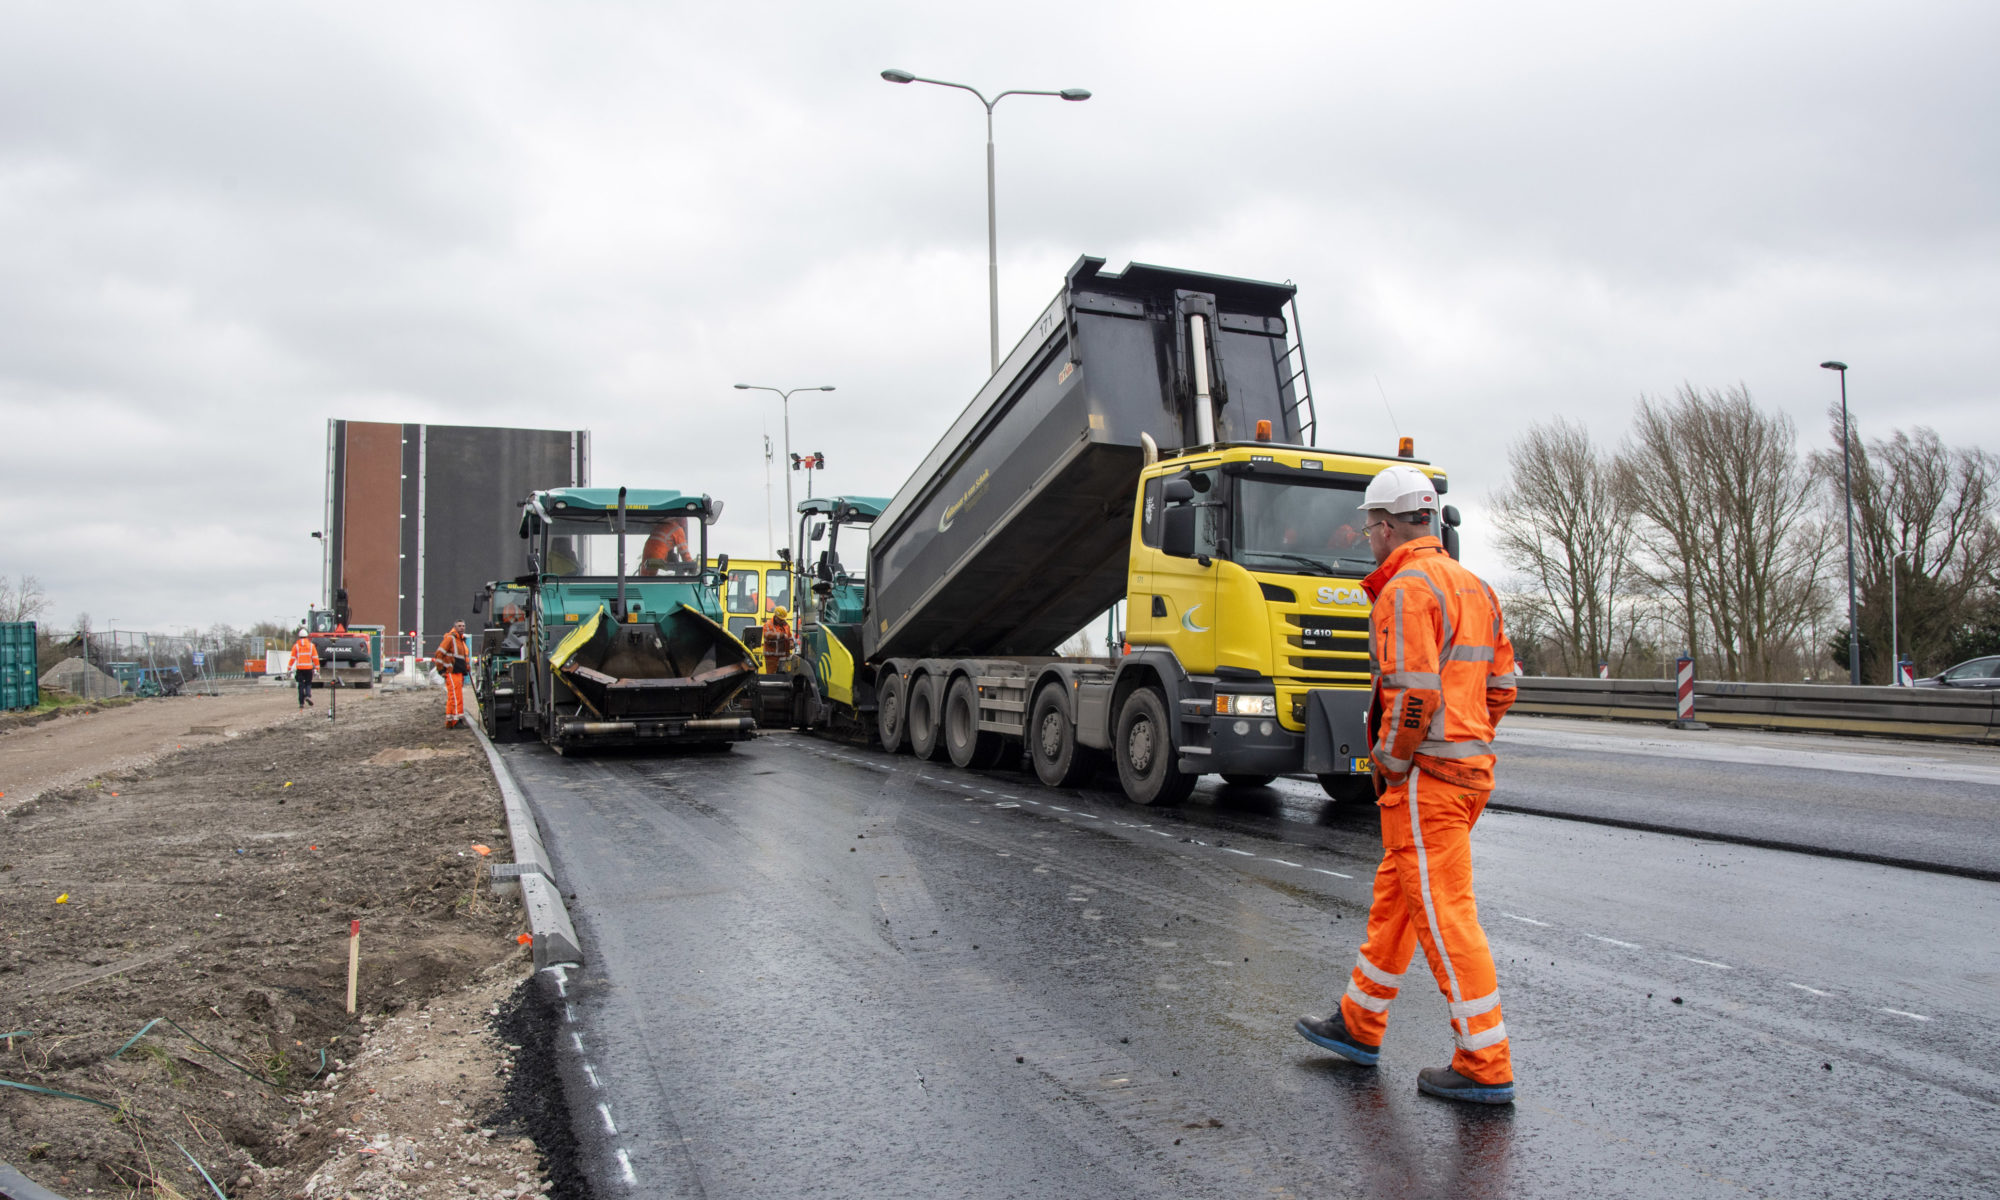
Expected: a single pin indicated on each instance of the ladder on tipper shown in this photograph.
(1299, 382)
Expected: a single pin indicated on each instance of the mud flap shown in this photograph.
(1336, 729)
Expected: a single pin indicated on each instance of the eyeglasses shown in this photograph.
(1372, 526)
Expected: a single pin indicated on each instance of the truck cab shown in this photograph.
(823, 683)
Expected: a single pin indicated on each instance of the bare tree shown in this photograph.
(1565, 527)
(22, 598)
(1926, 512)
(1727, 527)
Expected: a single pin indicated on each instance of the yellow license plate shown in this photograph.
(1361, 766)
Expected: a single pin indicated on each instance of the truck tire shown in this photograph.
(1235, 780)
(969, 747)
(891, 712)
(1348, 789)
(926, 729)
(1144, 748)
(1051, 737)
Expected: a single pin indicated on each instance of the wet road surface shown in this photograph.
(819, 970)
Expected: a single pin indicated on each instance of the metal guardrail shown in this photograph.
(1945, 714)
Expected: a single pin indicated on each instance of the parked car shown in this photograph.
(1972, 673)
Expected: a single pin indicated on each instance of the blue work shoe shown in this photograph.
(1331, 1034)
(1450, 1085)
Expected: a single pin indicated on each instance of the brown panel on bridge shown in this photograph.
(372, 501)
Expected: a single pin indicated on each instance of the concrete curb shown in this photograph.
(548, 916)
(16, 1186)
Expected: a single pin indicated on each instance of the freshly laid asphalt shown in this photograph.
(819, 970)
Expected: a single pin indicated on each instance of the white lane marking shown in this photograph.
(1524, 920)
(569, 1013)
(562, 979)
(988, 791)
(1234, 850)
(1706, 962)
(1281, 862)
(1089, 816)
(1036, 803)
(604, 1110)
(1058, 808)
(1335, 874)
(590, 1073)
(1802, 987)
(1008, 796)
(1897, 1012)
(1004, 804)
(1598, 937)
(625, 1169)
(576, 1039)
(1160, 833)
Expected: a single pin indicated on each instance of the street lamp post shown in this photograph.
(1847, 503)
(992, 223)
(785, 396)
(1895, 644)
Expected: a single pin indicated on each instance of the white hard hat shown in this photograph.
(1401, 489)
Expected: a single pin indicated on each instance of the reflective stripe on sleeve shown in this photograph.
(1496, 683)
(1414, 679)
(1435, 748)
(1390, 761)
(1472, 1008)
(1371, 1003)
(1376, 974)
(1482, 1039)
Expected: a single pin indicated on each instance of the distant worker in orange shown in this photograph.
(668, 543)
(1444, 676)
(453, 659)
(777, 639)
(305, 660)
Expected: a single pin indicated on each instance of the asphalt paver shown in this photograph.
(820, 970)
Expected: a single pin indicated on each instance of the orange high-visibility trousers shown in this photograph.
(454, 698)
(1423, 896)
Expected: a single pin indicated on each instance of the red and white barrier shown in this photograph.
(1906, 674)
(1684, 695)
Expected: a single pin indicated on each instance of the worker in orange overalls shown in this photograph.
(777, 640)
(668, 543)
(305, 660)
(453, 659)
(1444, 676)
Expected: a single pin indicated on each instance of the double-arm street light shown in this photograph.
(992, 224)
(785, 396)
(1847, 503)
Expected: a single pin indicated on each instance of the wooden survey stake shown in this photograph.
(353, 960)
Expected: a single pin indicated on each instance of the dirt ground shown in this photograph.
(69, 747)
(212, 887)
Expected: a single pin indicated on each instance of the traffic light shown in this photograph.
(819, 461)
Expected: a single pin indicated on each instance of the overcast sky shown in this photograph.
(225, 223)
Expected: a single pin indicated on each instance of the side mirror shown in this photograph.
(817, 531)
(714, 512)
(825, 568)
(479, 602)
(722, 562)
(1177, 491)
(1451, 515)
(1177, 530)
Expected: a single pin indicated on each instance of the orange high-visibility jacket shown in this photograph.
(305, 655)
(452, 655)
(1444, 669)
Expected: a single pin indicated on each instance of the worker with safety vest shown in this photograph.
(452, 660)
(305, 660)
(777, 641)
(668, 543)
(1444, 675)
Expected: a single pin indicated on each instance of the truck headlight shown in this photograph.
(1246, 706)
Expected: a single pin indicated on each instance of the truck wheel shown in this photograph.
(924, 725)
(1348, 789)
(890, 713)
(1246, 780)
(1059, 761)
(963, 740)
(1144, 747)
